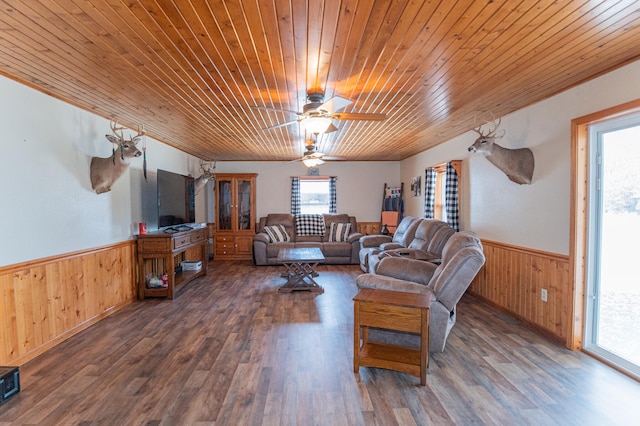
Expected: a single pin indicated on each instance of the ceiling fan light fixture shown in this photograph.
(311, 162)
(316, 124)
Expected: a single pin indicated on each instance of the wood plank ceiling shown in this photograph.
(192, 71)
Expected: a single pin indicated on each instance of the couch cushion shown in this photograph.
(339, 232)
(280, 218)
(285, 219)
(277, 233)
(332, 218)
(336, 218)
(309, 224)
(336, 250)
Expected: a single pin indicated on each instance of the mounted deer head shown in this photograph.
(105, 171)
(206, 173)
(517, 164)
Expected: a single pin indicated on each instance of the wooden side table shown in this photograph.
(391, 310)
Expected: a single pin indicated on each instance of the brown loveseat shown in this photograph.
(265, 249)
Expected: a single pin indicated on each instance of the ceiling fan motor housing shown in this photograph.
(312, 108)
(315, 97)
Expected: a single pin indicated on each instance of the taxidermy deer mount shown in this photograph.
(206, 170)
(517, 164)
(105, 171)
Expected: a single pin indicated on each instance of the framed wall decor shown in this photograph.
(415, 186)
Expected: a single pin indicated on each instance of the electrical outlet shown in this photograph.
(543, 294)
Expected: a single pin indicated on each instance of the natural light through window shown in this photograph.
(314, 196)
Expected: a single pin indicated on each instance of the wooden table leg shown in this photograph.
(300, 277)
(424, 346)
(356, 337)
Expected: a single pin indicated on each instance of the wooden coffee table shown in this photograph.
(299, 264)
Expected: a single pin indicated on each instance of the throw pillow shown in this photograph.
(339, 232)
(277, 233)
(310, 224)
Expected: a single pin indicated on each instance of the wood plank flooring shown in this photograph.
(232, 350)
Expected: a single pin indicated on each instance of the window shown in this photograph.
(439, 210)
(441, 192)
(314, 195)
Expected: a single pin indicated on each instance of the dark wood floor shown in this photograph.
(232, 350)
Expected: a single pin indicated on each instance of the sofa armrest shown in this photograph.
(262, 237)
(417, 271)
(391, 246)
(416, 254)
(260, 243)
(382, 282)
(374, 240)
(356, 236)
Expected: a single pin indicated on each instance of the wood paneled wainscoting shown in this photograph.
(46, 301)
(512, 280)
(369, 228)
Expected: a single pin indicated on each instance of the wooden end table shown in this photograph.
(299, 264)
(391, 310)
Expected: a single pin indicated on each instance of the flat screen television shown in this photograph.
(176, 200)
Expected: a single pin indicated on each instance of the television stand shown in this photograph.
(179, 228)
(160, 252)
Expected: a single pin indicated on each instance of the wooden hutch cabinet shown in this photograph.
(235, 196)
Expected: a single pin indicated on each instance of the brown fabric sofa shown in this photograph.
(265, 251)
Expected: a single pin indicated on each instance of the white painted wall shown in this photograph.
(536, 215)
(359, 186)
(47, 206)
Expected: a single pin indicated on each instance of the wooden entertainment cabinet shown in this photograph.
(160, 252)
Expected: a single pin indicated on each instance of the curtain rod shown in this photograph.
(314, 177)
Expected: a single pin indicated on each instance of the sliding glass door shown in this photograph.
(613, 277)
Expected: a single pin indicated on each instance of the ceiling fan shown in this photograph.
(317, 115)
(312, 157)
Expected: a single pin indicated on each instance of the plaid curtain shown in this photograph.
(451, 197)
(429, 192)
(295, 195)
(333, 199)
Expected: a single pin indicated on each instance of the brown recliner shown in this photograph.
(462, 258)
(372, 244)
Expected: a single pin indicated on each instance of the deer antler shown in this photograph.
(114, 128)
(118, 132)
(492, 132)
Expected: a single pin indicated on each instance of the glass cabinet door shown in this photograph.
(225, 204)
(244, 205)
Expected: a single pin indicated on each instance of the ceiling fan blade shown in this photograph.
(288, 123)
(331, 128)
(278, 110)
(335, 104)
(357, 116)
